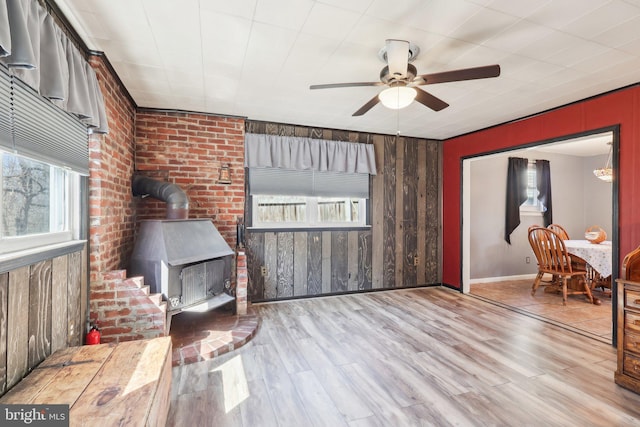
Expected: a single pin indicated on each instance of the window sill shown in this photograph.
(531, 213)
(11, 261)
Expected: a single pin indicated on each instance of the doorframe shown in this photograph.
(465, 210)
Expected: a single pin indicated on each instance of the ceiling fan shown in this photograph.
(402, 79)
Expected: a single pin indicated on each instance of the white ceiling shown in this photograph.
(257, 58)
(585, 146)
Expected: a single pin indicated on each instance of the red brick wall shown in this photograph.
(188, 149)
(111, 167)
(123, 310)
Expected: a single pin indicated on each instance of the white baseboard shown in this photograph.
(503, 278)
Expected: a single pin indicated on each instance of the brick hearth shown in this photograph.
(202, 336)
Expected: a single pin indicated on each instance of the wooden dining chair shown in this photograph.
(553, 259)
(560, 230)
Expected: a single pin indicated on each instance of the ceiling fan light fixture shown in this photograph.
(397, 97)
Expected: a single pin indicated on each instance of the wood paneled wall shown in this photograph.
(406, 223)
(42, 309)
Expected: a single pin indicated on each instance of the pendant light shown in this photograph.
(606, 173)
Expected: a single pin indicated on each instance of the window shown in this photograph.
(295, 199)
(39, 202)
(532, 205)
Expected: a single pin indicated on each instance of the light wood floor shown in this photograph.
(592, 320)
(427, 356)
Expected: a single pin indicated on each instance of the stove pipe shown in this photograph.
(176, 199)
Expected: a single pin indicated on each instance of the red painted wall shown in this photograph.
(617, 108)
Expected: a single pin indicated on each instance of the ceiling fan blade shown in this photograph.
(338, 85)
(397, 58)
(462, 74)
(368, 106)
(426, 99)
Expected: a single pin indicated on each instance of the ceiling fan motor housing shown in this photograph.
(386, 78)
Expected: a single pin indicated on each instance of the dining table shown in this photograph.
(597, 255)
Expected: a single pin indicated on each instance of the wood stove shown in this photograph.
(186, 260)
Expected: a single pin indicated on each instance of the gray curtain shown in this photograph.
(5, 33)
(516, 194)
(38, 52)
(298, 153)
(543, 177)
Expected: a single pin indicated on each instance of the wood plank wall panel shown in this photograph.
(39, 312)
(18, 326)
(339, 261)
(421, 242)
(377, 216)
(390, 214)
(433, 228)
(410, 211)
(59, 313)
(84, 294)
(399, 214)
(300, 264)
(314, 263)
(271, 264)
(285, 264)
(365, 267)
(255, 260)
(4, 303)
(405, 222)
(352, 267)
(326, 262)
(74, 298)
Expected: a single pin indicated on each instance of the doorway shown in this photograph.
(503, 273)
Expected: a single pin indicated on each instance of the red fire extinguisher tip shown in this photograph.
(93, 336)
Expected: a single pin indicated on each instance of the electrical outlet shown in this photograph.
(263, 270)
(527, 260)
(416, 260)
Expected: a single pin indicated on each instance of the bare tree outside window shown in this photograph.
(25, 196)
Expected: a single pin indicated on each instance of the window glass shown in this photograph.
(299, 211)
(37, 203)
(338, 210)
(290, 198)
(280, 209)
(532, 204)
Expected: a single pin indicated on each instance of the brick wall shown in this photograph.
(188, 149)
(123, 309)
(111, 166)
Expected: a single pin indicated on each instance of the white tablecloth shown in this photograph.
(597, 255)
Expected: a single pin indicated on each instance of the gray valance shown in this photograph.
(39, 53)
(298, 153)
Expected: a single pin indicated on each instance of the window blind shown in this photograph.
(6, 139)
(44, 132)
(276, 181)
(32, 126)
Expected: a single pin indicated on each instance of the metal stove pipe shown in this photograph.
(175, 198)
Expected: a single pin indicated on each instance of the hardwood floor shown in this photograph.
(591, 320)
(428, 356)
